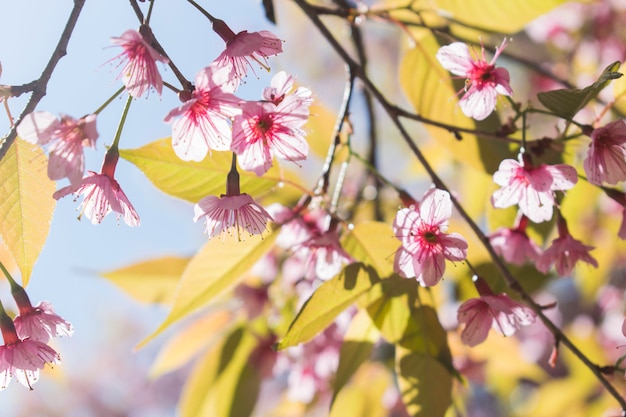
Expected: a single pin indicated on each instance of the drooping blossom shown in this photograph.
(565, 252)
(314, 237)
(514, 245)
(233, 211)
(265, 129)
(488, 311)
(606, 159)
(484, 81)
(425, 245)
(139, 59)
(243, 47)
(65, 139)
(37, 323)
(22, 358)
(531, 187)
(102, 194)
(203, 123)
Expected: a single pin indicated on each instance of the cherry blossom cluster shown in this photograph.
(25, 350)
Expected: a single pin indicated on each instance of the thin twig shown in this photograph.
(512, 282)
(39, 86)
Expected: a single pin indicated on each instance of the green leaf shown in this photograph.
(330, 299)
(356, 348)
(428, 86)
(362, 397)
(425, 385)
(152, 281)
(190, 180)
(218, 266)
(224, 383)
(567, 102)
(373, 244)
(26, 204)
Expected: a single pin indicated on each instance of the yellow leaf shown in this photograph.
(362, 398)
(26, 204)
(185, 344)
(619, 91)
(224, 383)
(320, 126)
(506, 16)
(328, 300)
(374, 244)
(428, 86)
(190, 180)
(425, 385)
(152, 281)
(218, 266)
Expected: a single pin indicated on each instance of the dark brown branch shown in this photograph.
(39, 86)
(512, 282)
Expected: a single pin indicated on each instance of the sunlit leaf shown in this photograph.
(619, 91)
(567, 102)
(428, 86)
(356, 348)
(425, 385)
(26, 204)
(362, 397)
(185, 344)
(373, 244)
(152, 281)
(328, 300)
(224, 383)
(320, 128)
(218, 266)
(193, 181)
(506, 16)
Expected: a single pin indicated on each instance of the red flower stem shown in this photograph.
(394, 113)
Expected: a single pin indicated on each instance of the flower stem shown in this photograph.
(201, 10)
(149, 14)
(109, 100)
(120, 127)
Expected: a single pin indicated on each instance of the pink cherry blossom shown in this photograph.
(228, 212)
(281, 86)
(314, 237)
(606, 160)
(139, 59)
(41, 323)
(531, 187)
(21, 357)
(65, 138)
(425, 245)
(491, 311)
(565, 252)
(243, 47)
(514, 245)
(204, 119)
(265, 130)
(483, 80)
(102, 194)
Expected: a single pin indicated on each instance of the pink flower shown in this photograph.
(204, 123)
(531, 187)
(265, 130)
(22, 357)
(281, 87)
(238, 212)
(102, 193)
(242, 47)
(564, 252)
(66, 138)
(41, 323)
(425, 245)
(314, 237)
(606, 160)
(514, 245)
(140, 71)
(491, 311)
(483, 80)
